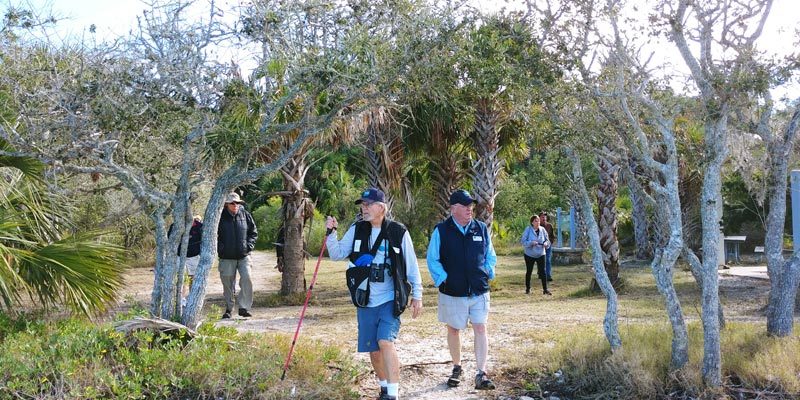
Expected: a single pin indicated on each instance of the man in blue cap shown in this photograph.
(383, 247)
(461, 260)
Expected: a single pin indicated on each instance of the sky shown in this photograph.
(113, 18)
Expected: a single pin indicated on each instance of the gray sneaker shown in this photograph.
(482, 382)
(455, 377)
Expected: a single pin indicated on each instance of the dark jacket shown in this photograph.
(236, 235)
(394, 232)
(463, 258)
(195, 239)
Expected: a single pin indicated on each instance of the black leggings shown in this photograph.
(539, 271)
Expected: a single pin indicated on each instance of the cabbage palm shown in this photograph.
(39, 258)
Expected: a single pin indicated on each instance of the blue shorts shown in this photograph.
(376, 323)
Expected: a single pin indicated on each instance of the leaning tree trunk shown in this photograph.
(584, 206)
(607, 206)
(446, 168)
(296, 207)
(641, 234)
(711, 211)
(784, 275)
(487, 167)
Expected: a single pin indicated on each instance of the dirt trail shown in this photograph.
(422, 345)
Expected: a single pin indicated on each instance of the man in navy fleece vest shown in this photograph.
(461, 261)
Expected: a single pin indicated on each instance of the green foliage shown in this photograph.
(40, 258)
(77, 360)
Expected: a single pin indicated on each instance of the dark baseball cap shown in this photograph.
(372, 195)
(462, 197)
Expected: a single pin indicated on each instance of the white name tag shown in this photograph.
(357, 245)
(396, 250)
(477, 238)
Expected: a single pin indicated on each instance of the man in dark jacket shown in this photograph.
(237, 236)
(461, 261)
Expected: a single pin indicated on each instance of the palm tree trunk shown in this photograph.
(487, 166)
(607, 205)
(296, 212)
(446, 166)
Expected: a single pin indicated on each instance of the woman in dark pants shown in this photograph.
(535, 242)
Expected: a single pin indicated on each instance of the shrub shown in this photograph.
(74, 359)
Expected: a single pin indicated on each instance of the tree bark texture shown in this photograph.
(608, 171)
(784, 275)
(446, 166)
(487, 167)
(641, 231)
(297, 210)
(711, 211)
(584, 206)
(384, 152)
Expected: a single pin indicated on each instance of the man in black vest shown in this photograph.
(386, 246)
(461, 260)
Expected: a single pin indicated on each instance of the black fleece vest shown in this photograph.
(394, 232)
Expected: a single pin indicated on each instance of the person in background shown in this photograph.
(237, 236)
(535, 243)
(548, 257)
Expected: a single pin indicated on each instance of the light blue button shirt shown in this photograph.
(436, 268)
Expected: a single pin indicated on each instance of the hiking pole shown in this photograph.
(305, 305)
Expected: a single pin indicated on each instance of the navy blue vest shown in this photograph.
(463, 257)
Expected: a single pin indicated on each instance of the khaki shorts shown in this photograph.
(456, 311)
(191, 265)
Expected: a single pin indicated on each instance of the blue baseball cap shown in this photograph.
(462, 197)
(372, 195)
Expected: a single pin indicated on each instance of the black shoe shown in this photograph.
(455, 377)
(482, 382)
(226, 314)
(384, 392)
(547, 292)
(527, 291)
(244, 313)
(385, 396)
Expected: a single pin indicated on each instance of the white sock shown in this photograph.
(383, 383)
(392, 389)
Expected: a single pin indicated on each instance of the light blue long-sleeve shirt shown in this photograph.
(380, 292)
(435, 267)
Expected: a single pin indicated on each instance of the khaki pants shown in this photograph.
(227, 274)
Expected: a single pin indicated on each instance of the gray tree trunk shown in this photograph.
(584, 206)
(641, 231)
(784, 275)
(711, 212)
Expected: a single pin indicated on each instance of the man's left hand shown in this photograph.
(416, 308)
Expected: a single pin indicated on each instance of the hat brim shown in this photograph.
(368, 201)
(461, 202)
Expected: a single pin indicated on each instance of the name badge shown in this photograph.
(357, 245)
(477, 238)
